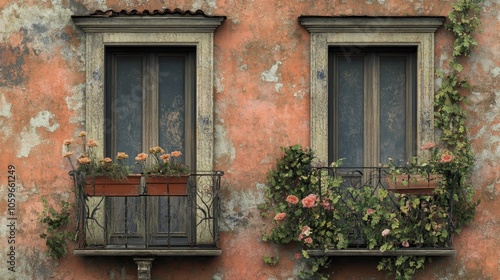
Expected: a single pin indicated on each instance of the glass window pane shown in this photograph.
(393, 108)
(350, 109)
(127, 106)
(172, 87)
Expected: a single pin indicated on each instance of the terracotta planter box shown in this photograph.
(104, 186)
(166, 185)
(414, 183)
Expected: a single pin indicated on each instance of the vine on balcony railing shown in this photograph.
(335, 208)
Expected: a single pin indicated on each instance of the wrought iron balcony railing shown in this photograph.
(155, 216)
(408, 202)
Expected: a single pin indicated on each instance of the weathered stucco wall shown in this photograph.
(261, 103)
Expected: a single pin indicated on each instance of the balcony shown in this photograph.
(149, 216)
(358, 204)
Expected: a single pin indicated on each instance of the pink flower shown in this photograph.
(280, 217)
(301, 236)
(306, 231)
(405, 244)
(428, 146)
(309, 201)
(292, 199)
(165, 157)
(386, 232)
(369, 211)
(297, 256)
(308, 240)
(107, 160)
(326, 204)
(447, 157)
(141, 157)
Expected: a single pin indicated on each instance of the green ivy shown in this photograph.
(56, 233)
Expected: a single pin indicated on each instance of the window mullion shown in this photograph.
(150, 96)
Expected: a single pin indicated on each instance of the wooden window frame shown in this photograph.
(370, 31)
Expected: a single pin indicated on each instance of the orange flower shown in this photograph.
(68, 154)
(292, 199)
(446, 157)
(156, 150)
(141, 157)
(92, 143)
(165, 157)
(82, 134)
(84, 160)
(121, 155)
(69, 141)
(280, 217)
(176, 154)
(107, 160)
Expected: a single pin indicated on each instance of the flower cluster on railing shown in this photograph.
(336, 208)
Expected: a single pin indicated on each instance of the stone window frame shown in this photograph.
(145, 30)
(370, 31)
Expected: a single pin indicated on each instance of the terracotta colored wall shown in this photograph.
(261, 103)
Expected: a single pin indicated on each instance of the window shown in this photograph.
(328, 33)
(149, 80)
(150, 95)
(372, 105)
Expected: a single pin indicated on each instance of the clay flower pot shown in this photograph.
(167, 185)
(423, 184)
(104, 186)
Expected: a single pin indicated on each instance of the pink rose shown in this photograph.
(297, 256)
(405, 244)
(308, 240)
(309, 201)
(428, 146)
(326, 204)
(280, 217)
(301, 236)
(306, 231)
(446, 157)
(386, 232)
(292, 199)
(369, 211)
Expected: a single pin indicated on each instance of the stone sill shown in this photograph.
(427, 252)
(147, 252)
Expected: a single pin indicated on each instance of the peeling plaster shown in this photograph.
(29, 138)
(238, 208)
(270, 75)
(495, 72)
(5, 108)
(223, 147)
(219, 86)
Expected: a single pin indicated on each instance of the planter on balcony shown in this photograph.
(423, 184)
(167, 185)
(104, 186)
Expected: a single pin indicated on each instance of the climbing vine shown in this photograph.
(292, 182)
(450, 116)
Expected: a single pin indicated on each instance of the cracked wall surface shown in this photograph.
(262, 102)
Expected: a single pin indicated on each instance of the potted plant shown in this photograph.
(101, 177)
(161, 174)
(164, 176)
(420, 178)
